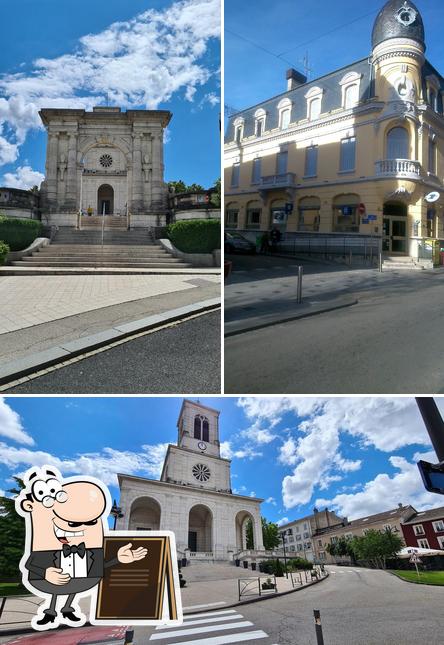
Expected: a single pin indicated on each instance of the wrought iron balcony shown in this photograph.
(398, 168)
(286, 180)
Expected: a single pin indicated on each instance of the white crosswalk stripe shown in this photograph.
(208, 629)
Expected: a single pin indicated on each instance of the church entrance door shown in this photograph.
(105, 200)
(192, 541)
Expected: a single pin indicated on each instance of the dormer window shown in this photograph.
(259, 121)
(350, 85)
(238, 130)
(314, 103)
(201, 428)
(284, 108)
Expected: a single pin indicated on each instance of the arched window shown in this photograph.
(201, 428)
(350, 85)
(314, 109)
(284, 108)
(398, 144)
(259, 120)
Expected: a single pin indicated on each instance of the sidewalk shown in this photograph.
(42, 313)
(197, 597)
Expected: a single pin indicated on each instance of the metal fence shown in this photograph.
(329, 246)
(248, 587)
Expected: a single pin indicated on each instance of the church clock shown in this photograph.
(202, 445)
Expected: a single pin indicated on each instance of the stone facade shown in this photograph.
(193, 497)
(104, 162)
(15, 202)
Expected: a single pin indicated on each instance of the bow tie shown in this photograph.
(80, 550)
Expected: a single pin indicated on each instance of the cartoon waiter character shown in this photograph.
(65, 525)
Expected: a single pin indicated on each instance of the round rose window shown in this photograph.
(106, 161)
(201, 472)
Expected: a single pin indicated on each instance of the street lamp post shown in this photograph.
(434, 424)
(285, 553)
(116, 512)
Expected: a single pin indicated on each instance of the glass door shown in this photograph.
(394, 235)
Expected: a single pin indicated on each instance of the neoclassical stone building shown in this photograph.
(353, 153)
(193, 497)
(104, 162)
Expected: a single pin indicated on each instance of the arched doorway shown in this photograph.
(245, 536)
(200, 529)
(394, 230)
(145, 514)
(105, 200)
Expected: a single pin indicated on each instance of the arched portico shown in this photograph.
(145, 514)
(200, 529)
(242, 520)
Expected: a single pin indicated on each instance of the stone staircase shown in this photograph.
(400, 262)
(83, 249)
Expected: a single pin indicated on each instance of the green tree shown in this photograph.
(12, 534)
(375, 547)
(270, 535)
(216, 197)
(179, 186)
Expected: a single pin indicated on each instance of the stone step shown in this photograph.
(152, 252)
(117, 265)
(98, 258)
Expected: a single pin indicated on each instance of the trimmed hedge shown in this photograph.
(195, 235)
(19, 233)
(299, 563)
(274, 567)
(4, 250)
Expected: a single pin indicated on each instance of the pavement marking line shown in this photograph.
(210, 613)
(229, 638)
(202, 630)
(210, 604)
(203, 621)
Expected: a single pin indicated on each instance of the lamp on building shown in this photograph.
(116, 512)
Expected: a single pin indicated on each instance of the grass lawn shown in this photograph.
(425, 577)
(12, 589)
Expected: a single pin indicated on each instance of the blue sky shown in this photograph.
(155, 54)
(293, 28)
(355, 455)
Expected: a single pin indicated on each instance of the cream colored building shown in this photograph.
(364, 140)
(193, 497)
(298, 534)
(104, 162)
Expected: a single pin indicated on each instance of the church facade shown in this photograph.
(104, 162)
(193, 497)
(358, 152)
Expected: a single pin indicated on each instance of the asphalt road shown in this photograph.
(391, 341)
(358, 607)
(182, 358)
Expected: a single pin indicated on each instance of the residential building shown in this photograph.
(388, 520)
(353, 153)
(298, 534)
(425, 529)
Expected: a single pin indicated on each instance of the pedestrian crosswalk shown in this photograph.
(211, 628)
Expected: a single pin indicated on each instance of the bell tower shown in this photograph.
(198, 428)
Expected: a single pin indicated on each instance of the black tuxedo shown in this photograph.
(39, 561)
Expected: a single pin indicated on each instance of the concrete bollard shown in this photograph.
(318, 627)
(129, 637)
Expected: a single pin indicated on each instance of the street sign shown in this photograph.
(432, 476)
(432, 197)
(372, 218)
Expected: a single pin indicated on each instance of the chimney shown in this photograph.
(400, 505)
(294, 79)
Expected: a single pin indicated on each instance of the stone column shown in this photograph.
(51, 168)
(259, 540)
(71, 180)
(137, 189)
(158, 191)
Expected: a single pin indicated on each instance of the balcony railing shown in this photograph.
(398, 168)
(285, 180)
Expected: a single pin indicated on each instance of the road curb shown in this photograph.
(295, 316)
(22, 367)
(413, 582)
(29, 630)
(260, 598)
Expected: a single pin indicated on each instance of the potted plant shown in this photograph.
(268, 584)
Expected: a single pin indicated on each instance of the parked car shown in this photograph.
(237, 243)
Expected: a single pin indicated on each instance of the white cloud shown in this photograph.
(283, 521)
(253, 493)
(104, 464)
(139, 62)
(288, 452)
(246, 452)
(270, 500)
(385, 491)
(11, 425)
(258, 435)
(23, 177)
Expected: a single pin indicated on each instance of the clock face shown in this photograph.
(201, 445)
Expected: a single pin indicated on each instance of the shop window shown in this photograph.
(309, 209)
(254, 218)
(232, 218)
(345, 214)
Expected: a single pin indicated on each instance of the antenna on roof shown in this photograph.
(307, 68)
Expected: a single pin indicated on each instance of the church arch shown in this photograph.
(242, 520)
(105, 200)
(200, 529)
(145, 514)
